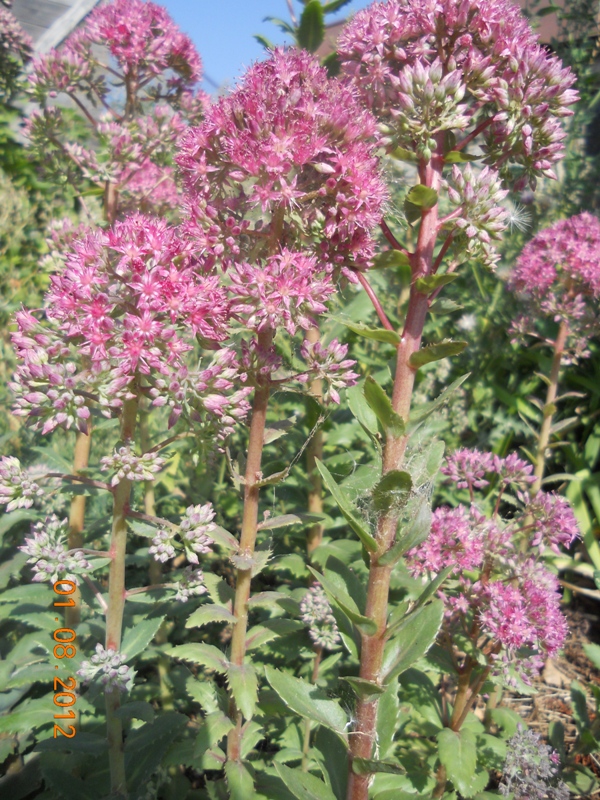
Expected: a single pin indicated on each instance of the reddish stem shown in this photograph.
(375, 300)
(479, 129)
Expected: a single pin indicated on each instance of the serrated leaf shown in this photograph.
(303, 785)
(367, 766)
(224, 538)
(198, 653)
(363, 688)
(361, 409)
(243, 685)
(266, 43)
(216, 725)
(139, 637)
(422, 412)
(334, 5)
(239, 781)
(336, 592)
(345, 507)
(435, 352)
(275, 598)
(271, 629)
(392, 490)
(412, 534)
(391, 422)
(430, 283)
(219, 591)
(311, 28)
(377, 334)
(457, 751)
(136, 710)
(443, 305)
(413, 637)
(209, 613)
(308, 701)
(422, 196)
(288, 519)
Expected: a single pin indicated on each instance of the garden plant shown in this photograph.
(251, 549)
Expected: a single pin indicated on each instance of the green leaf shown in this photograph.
(336, 591)
(334, 5)
(303, 785)
(458, 753)
(288, 519)
(219, 591)
(457, 157)
(580, 712)
(435, 352)
(366, 766)
(402, 154)
(145, 747)
(266, 43)
(209, 613)
(137, 638)
(597, 578)
(346, 508)
(391, 422)
(432, 587)
(206, 654)
(363, 688)
(413, 637)
(311, 29)
(391, 258)
(412, 534)
(388, 711)
(443, 305)
(592, 651)
(136, 710)
(422, 196)
(243, 685)
(308, 701)
(284, 26)
(361, 409)
(224, 538)
(239, 781)
(422, 412)
(392, 490)
(335, 760)
(377, 334)
(432, 282)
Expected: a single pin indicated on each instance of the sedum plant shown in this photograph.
(231, 229)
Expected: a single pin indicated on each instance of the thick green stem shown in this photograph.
(247, 543)
(81, 459)
(363, 737)
(549, 408)
(314, 451)
(116, 605)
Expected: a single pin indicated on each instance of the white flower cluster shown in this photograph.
(194, 532)
(108, 667)
(126, 464)
(49, 554)
(315, 612)
(191, 584)
(17, 489)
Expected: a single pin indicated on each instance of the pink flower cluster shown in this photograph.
(128, 303)
(145, 93)
(428, 67)
(503, 589)
(294, 150)
(15, 51)
(558, 277)
(329, 364)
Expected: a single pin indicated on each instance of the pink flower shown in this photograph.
(453, 540)
(287, 153)
(430, 66)
(329, 364)
(557, 275)
(554, 522)
(467, 468)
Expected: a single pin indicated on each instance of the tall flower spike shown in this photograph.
(297, 147)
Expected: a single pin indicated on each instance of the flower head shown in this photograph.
(329, 364)
(17, 489)
(49, 553)
(191, 584)
(295, 150)
(315, 612)
(431, 67)
(125, 464)
(109, 668)
(530, 771)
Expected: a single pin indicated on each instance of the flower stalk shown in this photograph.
(363, 738)
(116, 605)
(248, 541)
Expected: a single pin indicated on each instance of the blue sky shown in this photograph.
(222, 30)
